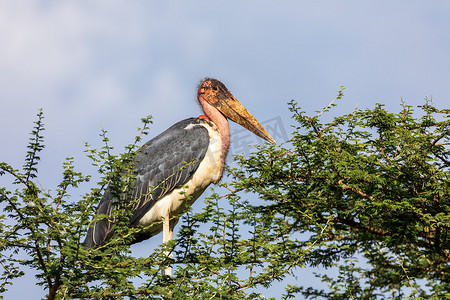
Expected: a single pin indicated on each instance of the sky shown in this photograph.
(94, 64)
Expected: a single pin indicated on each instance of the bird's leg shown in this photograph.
(168, 226)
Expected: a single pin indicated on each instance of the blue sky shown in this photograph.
(100, 63)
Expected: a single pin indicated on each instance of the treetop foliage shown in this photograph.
(366, 193)
(370, 184)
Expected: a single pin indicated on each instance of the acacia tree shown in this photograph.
(370, 186)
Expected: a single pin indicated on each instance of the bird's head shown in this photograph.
(215, 93)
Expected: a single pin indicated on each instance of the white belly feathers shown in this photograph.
(208, 171)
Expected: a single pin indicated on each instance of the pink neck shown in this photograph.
(222, 124)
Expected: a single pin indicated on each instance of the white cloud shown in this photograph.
(89, 64)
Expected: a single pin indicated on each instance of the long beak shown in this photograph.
(236, 112)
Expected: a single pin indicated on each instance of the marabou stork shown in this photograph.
(182, 161)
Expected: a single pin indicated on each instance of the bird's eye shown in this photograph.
(215, 88)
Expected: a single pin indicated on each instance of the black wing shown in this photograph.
(164, 163)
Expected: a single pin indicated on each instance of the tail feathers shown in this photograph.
(100, 230)
(98, 233)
